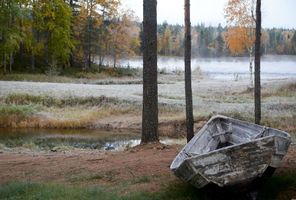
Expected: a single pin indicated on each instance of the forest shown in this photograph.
(45, 36)
(210, 41)
(49, 34)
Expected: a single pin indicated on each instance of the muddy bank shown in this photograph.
(93, 167)
(143, 168)
(167, 127)
(174, 128)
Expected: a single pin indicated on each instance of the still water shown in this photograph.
(52, 140)
(224, 67)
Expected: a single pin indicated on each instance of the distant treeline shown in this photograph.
(209, 41)
(49, 36)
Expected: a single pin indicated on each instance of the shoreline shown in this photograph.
(115, 107)
(143, 169)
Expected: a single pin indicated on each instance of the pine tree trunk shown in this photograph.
(35, 38)
(150, 99)
(257, 64)
(4, 62)
(71, 58)
(188, 87)
(89, 57)
(10, 61)
(89, 35)
(32, 62)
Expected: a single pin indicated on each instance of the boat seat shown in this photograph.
(222, 133)
(191, 154)
(261, 134)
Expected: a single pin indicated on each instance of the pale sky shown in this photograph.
(275, 13)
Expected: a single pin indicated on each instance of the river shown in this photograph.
(277, 66)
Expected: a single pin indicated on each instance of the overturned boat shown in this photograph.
(229, 152)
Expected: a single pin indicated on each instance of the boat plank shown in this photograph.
(228, 151)
(226, 165)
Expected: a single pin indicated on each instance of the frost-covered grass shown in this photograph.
(74, 75)
(84, 106)
(19, 111)
(36, 78)
(50, 101)
(42, 111)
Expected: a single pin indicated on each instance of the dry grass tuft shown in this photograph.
(288, 90)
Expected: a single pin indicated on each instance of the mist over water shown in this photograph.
(223, 67)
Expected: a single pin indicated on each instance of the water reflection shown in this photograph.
(54, 140)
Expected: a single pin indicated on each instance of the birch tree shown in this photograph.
(241, 24)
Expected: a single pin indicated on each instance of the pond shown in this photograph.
(276, 66)
(54, 140)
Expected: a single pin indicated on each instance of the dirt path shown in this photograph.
(145, 167)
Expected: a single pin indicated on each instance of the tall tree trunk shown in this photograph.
(114, 60)
(46, 48)
(188, 87)
(71, 58)
(101, 60)
(150, 99)
(35, 36)
(89, 45)
(89, 57)
(90, 6)
(32, 61)
(257, 64)
(4, 62)
(10, 61)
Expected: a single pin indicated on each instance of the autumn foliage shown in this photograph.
(238, 39)
(53, 35)
(240, 18)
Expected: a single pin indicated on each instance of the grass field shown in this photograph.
(278, 187)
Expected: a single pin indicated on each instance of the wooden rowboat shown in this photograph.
(230, 152)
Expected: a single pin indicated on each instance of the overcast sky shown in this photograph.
(275, 13)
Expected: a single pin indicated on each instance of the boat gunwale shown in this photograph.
(284, 136)
(233, 146)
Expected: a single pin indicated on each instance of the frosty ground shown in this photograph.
(143, 169)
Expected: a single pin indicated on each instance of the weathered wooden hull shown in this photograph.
(234, 164)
